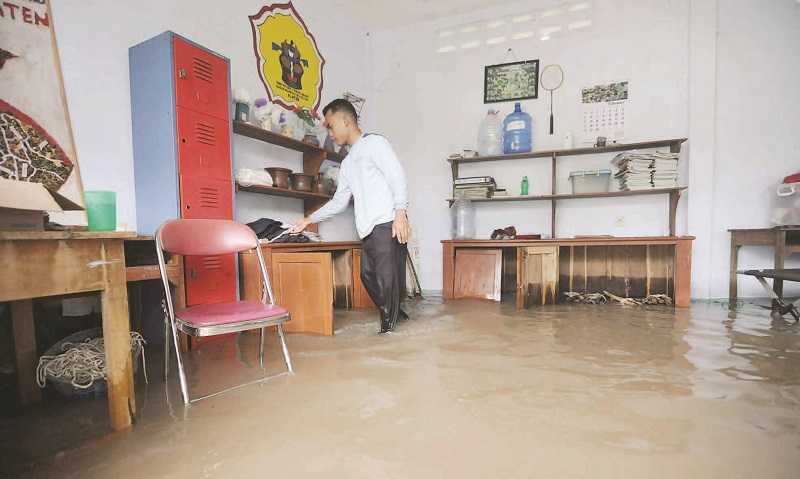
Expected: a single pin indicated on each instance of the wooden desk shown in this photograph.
(785, 240)
(303, 277)
(54, 263)
(673, 254)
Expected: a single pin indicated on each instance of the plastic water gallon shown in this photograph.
(517, 132)
(490, 135)
(463, 219)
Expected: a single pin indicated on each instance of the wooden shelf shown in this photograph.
(651, 191)
(674, 144)
(271, 190)
(256, 133)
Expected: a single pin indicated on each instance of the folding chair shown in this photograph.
(188, 237)
(777, 274)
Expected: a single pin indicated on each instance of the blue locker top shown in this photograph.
(154, 125)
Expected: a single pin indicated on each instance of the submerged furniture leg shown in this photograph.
(24, 330)
(733, 287)
(117, 337)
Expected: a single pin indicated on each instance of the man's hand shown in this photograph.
(299, 226)
(400, 227)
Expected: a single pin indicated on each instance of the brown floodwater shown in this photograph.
(467, 389)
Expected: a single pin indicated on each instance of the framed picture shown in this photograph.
(511, 81)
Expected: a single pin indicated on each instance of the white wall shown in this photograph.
(758, 119)
(94, 37)
(694, 68)
(430, 104)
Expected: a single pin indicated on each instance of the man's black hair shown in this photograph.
(340, 104)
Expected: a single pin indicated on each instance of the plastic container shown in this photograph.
(490, 135)
(517, 131)
(463, 219)
(101, 210)
(786, 207)
(590, 181)
(523, 187)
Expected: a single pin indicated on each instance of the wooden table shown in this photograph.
(673, 255)
(784, 240)
(54, 263)
(305, 279)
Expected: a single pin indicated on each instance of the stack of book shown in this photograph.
(638, 171)
(475, 187)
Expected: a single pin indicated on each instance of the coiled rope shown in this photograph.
(83, 363)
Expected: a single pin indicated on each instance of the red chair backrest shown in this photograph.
(205, 237)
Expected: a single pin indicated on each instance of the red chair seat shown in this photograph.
(205, 315)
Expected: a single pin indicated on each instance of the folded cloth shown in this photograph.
(267, 228)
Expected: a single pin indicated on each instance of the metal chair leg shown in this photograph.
(166, 349)
(286, 357)
(181, 373)
(261, 349)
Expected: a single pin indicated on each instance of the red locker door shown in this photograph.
(206, 198)
(210, 279)
(203, 145)
(201, 80)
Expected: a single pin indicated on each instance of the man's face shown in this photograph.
(338, 125)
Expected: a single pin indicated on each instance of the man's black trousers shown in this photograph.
(383, 272)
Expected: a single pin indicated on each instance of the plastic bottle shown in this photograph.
(523, 189)
(517, 131)
(490, 135)
(463, 219)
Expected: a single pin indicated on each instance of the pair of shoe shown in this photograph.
(386, 326)
(505, 233)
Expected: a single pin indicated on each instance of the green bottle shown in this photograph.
(524, 186)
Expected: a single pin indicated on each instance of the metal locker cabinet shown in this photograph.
(180, 103)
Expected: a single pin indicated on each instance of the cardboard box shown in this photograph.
(23, 205)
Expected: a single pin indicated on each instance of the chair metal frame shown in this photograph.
(175, 323)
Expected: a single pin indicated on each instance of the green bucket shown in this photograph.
(101, 210)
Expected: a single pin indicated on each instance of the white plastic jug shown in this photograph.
(463, 219)
(490, 135)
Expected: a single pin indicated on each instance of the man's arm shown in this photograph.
(388, 164)
(336, 205)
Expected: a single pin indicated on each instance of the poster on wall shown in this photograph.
(511, 81)
(36, 142)
(289, 61)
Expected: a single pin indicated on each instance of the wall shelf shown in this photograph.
(271, 190)
(256, 133)
(674, 145)
(651, 191)
(313, 156)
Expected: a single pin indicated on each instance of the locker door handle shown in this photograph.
(181, 73)
(193, 273)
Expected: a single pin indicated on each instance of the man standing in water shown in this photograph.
(373, 176)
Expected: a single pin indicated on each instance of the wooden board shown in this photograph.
(478, 274)
(537, 275)
(303, 284)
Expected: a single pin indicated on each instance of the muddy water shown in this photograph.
(467, 389)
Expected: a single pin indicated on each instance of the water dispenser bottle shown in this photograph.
(490, 135)
(517, 132)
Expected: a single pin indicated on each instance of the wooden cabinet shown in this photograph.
(537, 275)
(302, 284)
(361, 299)
(478, 273)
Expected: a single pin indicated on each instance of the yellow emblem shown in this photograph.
(289, 61)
